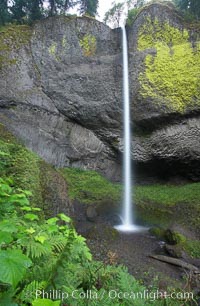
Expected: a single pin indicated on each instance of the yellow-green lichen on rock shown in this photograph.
(52, 49)
(88, 45)
(172, 74)
(64, 42)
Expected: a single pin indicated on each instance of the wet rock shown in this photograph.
(174, 251)
(101, 232)
(91, 213)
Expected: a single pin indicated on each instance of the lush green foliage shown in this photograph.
(23, 11)
(38, 254)
(33, 248)
(21, 165)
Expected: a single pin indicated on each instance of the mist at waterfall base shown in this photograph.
(128, 213)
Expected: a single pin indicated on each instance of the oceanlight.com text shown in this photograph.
(112, 294)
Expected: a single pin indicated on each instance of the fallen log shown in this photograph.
(176, 262)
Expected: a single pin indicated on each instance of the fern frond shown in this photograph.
(43, 270)
(35, 249)
(28, 293)
(59, 244)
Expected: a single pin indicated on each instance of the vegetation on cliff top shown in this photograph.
(26, 11)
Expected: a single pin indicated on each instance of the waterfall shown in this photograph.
(128, 217)
(127, 209)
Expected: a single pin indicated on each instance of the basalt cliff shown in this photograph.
(61, 92)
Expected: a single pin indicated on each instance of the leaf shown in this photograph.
(31, 217)
(30, 230)
(36, 249)
(45, 302)
(6, 226)
(26, 208)
(5, 188)
(65, 218)
(5, 237)
(27, 192)
(13, 265)
(36, 209)
(52, 221)
(19, 199)
(41, 239)
(6, 298)
(52, 228)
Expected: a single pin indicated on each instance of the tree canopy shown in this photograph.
(190, 7)
(27, 11)
(117, 13)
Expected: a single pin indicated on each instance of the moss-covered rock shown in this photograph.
(90, 187)
(157, 232)
(173, 237)
(28, 171)
(12, 38)
(88, 44)
(172, 72)
(166, 205)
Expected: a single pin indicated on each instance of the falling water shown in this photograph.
(128, 217)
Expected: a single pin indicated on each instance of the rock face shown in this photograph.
(61, 89)
(165, 92)
(62, 95)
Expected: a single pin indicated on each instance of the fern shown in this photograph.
(28, 293)
(36, 249)
(58, 244)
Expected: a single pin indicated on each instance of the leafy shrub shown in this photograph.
(30, 247)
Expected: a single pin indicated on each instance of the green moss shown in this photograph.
(23, 166)
(166, 204)
(88, 45)
(170, 236)
(192, 247)
(64, 42)
(171, 75)
(12, 38)
(52, 49)
(168, 195)
(26, 172)
(173, 237)
(157, 232)
(90, 187)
